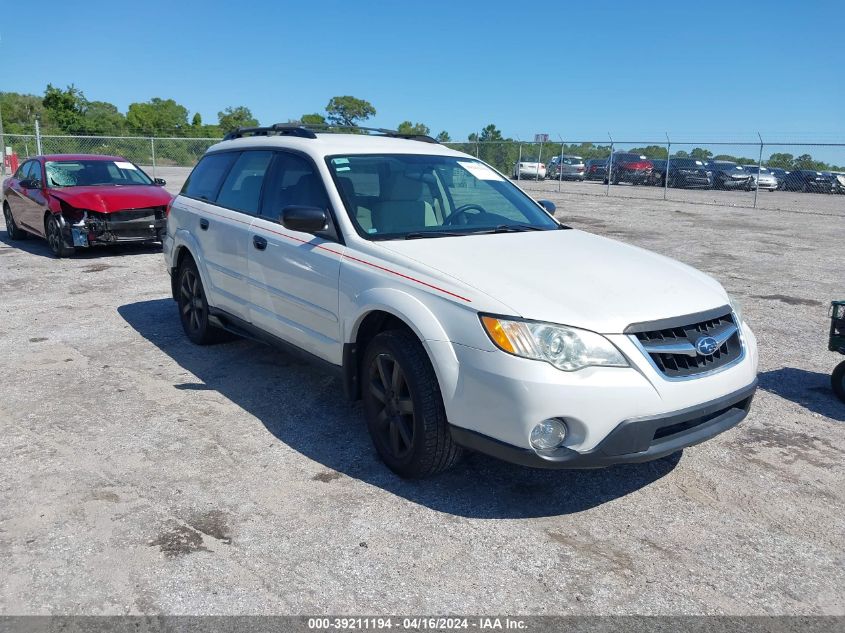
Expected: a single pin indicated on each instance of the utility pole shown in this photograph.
(38, 135)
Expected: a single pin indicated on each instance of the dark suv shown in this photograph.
(633, 168)
(809, 180)
(595, 169)
(687, 173)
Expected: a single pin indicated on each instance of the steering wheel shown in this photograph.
(462, 212)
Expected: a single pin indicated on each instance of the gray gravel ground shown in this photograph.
(141, 474)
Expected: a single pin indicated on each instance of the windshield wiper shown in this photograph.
(511, 228)
(416, 235)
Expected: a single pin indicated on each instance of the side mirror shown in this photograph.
(27, 183)
(160, 181)
(548, 205)
(304, 219)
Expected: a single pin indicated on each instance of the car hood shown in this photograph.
(568, 277)
(108, 199)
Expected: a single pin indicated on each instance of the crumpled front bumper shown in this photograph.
(134, 225)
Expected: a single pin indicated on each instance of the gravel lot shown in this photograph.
(142, 474)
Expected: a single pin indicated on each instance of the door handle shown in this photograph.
(259, 242)
(203, 224)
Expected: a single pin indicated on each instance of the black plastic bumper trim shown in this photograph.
(632, 441)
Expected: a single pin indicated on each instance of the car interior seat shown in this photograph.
(404, 209)
(362, 213)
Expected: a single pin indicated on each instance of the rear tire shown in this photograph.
(55, 238)
(12, 229)
(404, 408)
(193, 307)
(837, 381)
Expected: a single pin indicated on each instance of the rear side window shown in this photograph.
(293, 182)
(242, 188)
(204, 181)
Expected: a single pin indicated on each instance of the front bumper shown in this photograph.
(501, 397)
(632, 441)
(141, 225)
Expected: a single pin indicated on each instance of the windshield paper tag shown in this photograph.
(122, 165)
(481, 172)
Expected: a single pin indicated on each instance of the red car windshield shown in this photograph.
(85, 173)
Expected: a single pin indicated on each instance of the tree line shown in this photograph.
(67, 111)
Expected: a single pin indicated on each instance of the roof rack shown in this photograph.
(307, 131)
(282, 129)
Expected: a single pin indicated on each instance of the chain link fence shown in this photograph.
(761, 174)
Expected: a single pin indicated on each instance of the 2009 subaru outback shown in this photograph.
(422, 274)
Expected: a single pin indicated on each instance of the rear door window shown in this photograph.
(241, 190)
(204, 182)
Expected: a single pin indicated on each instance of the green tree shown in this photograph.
(158, 116)
(805, 161)
(700, 153)
(196, 121)
(349, 111)
(233, 118)
(65, 107)
(443, 137)
(19, 111)
(681, 154)
(101, 117)
(651, 151)
(490, 133)
(406, 127)
(312, 119)
(781, 159)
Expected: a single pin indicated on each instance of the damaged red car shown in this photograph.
(80, 200)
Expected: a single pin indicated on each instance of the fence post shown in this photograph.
(518, 161)
(560, 165)
(38, 135)
(539, 162)
(609, 164)
(153, 155)
(759, 168)
(668, 158)
(477, 141)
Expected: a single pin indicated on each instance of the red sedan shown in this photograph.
(78, 200)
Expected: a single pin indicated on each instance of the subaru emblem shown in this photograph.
(706, 346)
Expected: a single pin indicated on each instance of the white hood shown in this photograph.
(568, 277)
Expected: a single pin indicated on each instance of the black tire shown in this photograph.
(55, 239)
(404, 408)
(12, 229)
(193, 306)
(837, 381)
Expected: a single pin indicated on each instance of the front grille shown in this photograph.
(673, 350)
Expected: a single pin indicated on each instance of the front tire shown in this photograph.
(55, 238)
(837, 381)
(404, 408)
(193, 307)
(14, 232)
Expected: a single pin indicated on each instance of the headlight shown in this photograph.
(566, 348)
(736, 307)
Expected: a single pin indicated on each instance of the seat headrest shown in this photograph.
(400, 187)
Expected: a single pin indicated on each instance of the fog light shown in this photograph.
(548, 434)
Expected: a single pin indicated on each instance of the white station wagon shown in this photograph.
(423, 276)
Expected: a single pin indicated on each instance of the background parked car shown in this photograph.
(595, 169)
(838, 182)
(728, 175)
(686, 173)
(779, 174)
(566, 168)
(762, 175)
(527, 169)
(633, 168)
(809, 180)
(78, 200)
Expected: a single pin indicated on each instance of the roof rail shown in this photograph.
(282, 129)
(305, 130)
(378, 130)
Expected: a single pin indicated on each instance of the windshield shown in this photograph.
(407, 196)
(82, 173)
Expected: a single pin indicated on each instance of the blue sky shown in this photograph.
(705, 70)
